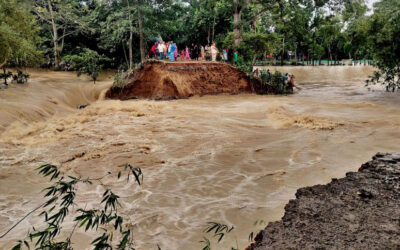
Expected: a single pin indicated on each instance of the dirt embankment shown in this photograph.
(166, 80)
(360, 211)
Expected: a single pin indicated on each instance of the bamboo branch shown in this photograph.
(23, 218)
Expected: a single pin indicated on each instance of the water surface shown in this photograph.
(231, 159)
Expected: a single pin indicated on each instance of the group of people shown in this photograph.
(288, 79)
(169, 50)
(162, 50)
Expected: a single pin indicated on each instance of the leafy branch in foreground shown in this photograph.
(259, 222)
(61, 196)
(217, 230)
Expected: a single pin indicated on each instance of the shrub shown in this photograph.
(88, 62)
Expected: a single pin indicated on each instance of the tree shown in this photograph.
(239, 6)
(118, 27)
(258, 44)
(61, 19)
(384, 33)
(330, 32)
(87, 62)
(18, 36)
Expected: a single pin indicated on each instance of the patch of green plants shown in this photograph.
(87, 62)
(60, 204)
(218, 231)
(121, 79)
(277, 82)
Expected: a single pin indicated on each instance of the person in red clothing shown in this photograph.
(153, 49)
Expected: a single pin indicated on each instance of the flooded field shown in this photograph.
(231, 159)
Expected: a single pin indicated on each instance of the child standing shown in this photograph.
(235, 59)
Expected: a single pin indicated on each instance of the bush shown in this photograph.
(121, 79)
(87, 62)
(276, 82)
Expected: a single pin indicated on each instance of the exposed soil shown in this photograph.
(160, 80)
(360, 211)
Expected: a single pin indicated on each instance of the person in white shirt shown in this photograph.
(161, 50)
(214, 52)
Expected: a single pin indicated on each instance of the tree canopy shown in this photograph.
(125, 30)
(18, 35)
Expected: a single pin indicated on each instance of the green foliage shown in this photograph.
(61, 203)
(256, 45)
(121, 79)
(277, 83)
(18, 36)
(385, 42)
(218, 231)
(87, 62)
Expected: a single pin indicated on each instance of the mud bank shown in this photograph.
(174, 80)
(359, 211)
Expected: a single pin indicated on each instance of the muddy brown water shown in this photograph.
(231, 159)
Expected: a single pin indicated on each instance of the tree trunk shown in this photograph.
(208, 36)
(238, 7)
(60, 49)
(55, 37)
(123, 48)
(237, 31)
(131, 49)
(130, 36)
(213, 31)
(283, 49)
(142, 51)
(330, 55)
(3, 64)
(5, 77)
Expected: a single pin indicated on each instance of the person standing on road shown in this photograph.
(172, 52)
(202, 51)
(161, 50)
(175, 52)
(165, 50)
(235, 59)
(225, 55)
(187, 54)
(214, 52)
(153, 49)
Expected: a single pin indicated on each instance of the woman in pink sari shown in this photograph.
(176, 52)
(187, 54)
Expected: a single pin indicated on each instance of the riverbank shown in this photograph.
(360, 211)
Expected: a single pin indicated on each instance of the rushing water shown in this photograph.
(230, 159)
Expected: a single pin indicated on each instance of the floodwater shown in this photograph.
(231, 159)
